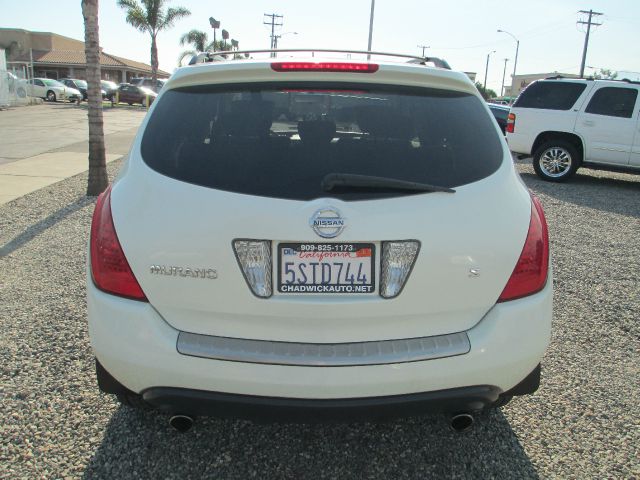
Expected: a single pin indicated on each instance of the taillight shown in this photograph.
(511, 123)
(109, 267)
(530, 274)
(324, 67)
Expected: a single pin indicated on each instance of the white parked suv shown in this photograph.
(308, 239)
(567, 123)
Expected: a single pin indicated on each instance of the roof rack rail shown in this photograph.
(591, 78)
(205, 57)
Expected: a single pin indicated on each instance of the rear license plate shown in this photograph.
(326, 268)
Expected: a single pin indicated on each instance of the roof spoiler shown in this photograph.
(205, 57)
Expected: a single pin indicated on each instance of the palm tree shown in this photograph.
(98, 179)
(199, 40)
(150, 16)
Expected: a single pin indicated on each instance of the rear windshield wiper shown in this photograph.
(349, 181)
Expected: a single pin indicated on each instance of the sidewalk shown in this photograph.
(42, 145)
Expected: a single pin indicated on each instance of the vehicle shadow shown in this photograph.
(604, 191)
(142, 445)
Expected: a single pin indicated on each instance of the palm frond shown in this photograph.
(172, 15)
(136, 16)
(186, 53)
(197, 38)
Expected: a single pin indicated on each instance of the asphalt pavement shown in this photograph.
(582, 423)
(43, 144)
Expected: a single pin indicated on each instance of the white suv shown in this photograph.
(568, 123)
(304, 239)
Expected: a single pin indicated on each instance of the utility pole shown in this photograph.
(503, 74)
(373, 7)
(275, 18)
(588, 23)
(423, 47)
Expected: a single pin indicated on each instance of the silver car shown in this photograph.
(52, 90)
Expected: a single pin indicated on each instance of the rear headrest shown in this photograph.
(247, 118)
(384, 122)
(316, 131)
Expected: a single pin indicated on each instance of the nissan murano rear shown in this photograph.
(316, 239)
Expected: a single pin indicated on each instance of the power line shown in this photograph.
(588, 23)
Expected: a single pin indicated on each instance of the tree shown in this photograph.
(605, 74)
(151, 17)
(486, 93)
(200, 42)
(98, 179)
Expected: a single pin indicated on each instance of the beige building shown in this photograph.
(54, 56)
(520, 82)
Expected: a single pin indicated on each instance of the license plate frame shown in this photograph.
(322, 251)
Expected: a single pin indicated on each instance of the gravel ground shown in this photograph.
(581, 424)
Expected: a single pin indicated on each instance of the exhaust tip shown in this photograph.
(461, 422)
(181, 423)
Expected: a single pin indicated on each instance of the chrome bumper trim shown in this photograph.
(323, 354)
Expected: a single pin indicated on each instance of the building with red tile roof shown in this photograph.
(50, 55)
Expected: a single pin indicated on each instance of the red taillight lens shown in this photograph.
(109, 267)
(511, 123)
(324, 67)
(530, 274)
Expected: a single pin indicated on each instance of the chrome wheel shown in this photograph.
(51, 96)
(555, 162)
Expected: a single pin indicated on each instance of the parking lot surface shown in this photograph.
(582, 423)
(41, 145)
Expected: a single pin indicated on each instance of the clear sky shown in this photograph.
(461, 31)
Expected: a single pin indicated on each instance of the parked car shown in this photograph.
(369, 252)
(109, 88)
(568, 123)
(52, 90)
(80, 85)
(500, 112)
(148, 82)
(131, 94)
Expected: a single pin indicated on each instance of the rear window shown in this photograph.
(501, 113)
(550, 95)
(282, 140)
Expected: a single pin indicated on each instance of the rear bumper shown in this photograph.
(139, 349)
(520, 143)
(268, 409)
(265, 409)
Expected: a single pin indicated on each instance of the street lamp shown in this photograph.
(423, 47)
(515, 62)
(486, 70)
(503, 74)
(215, 24)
